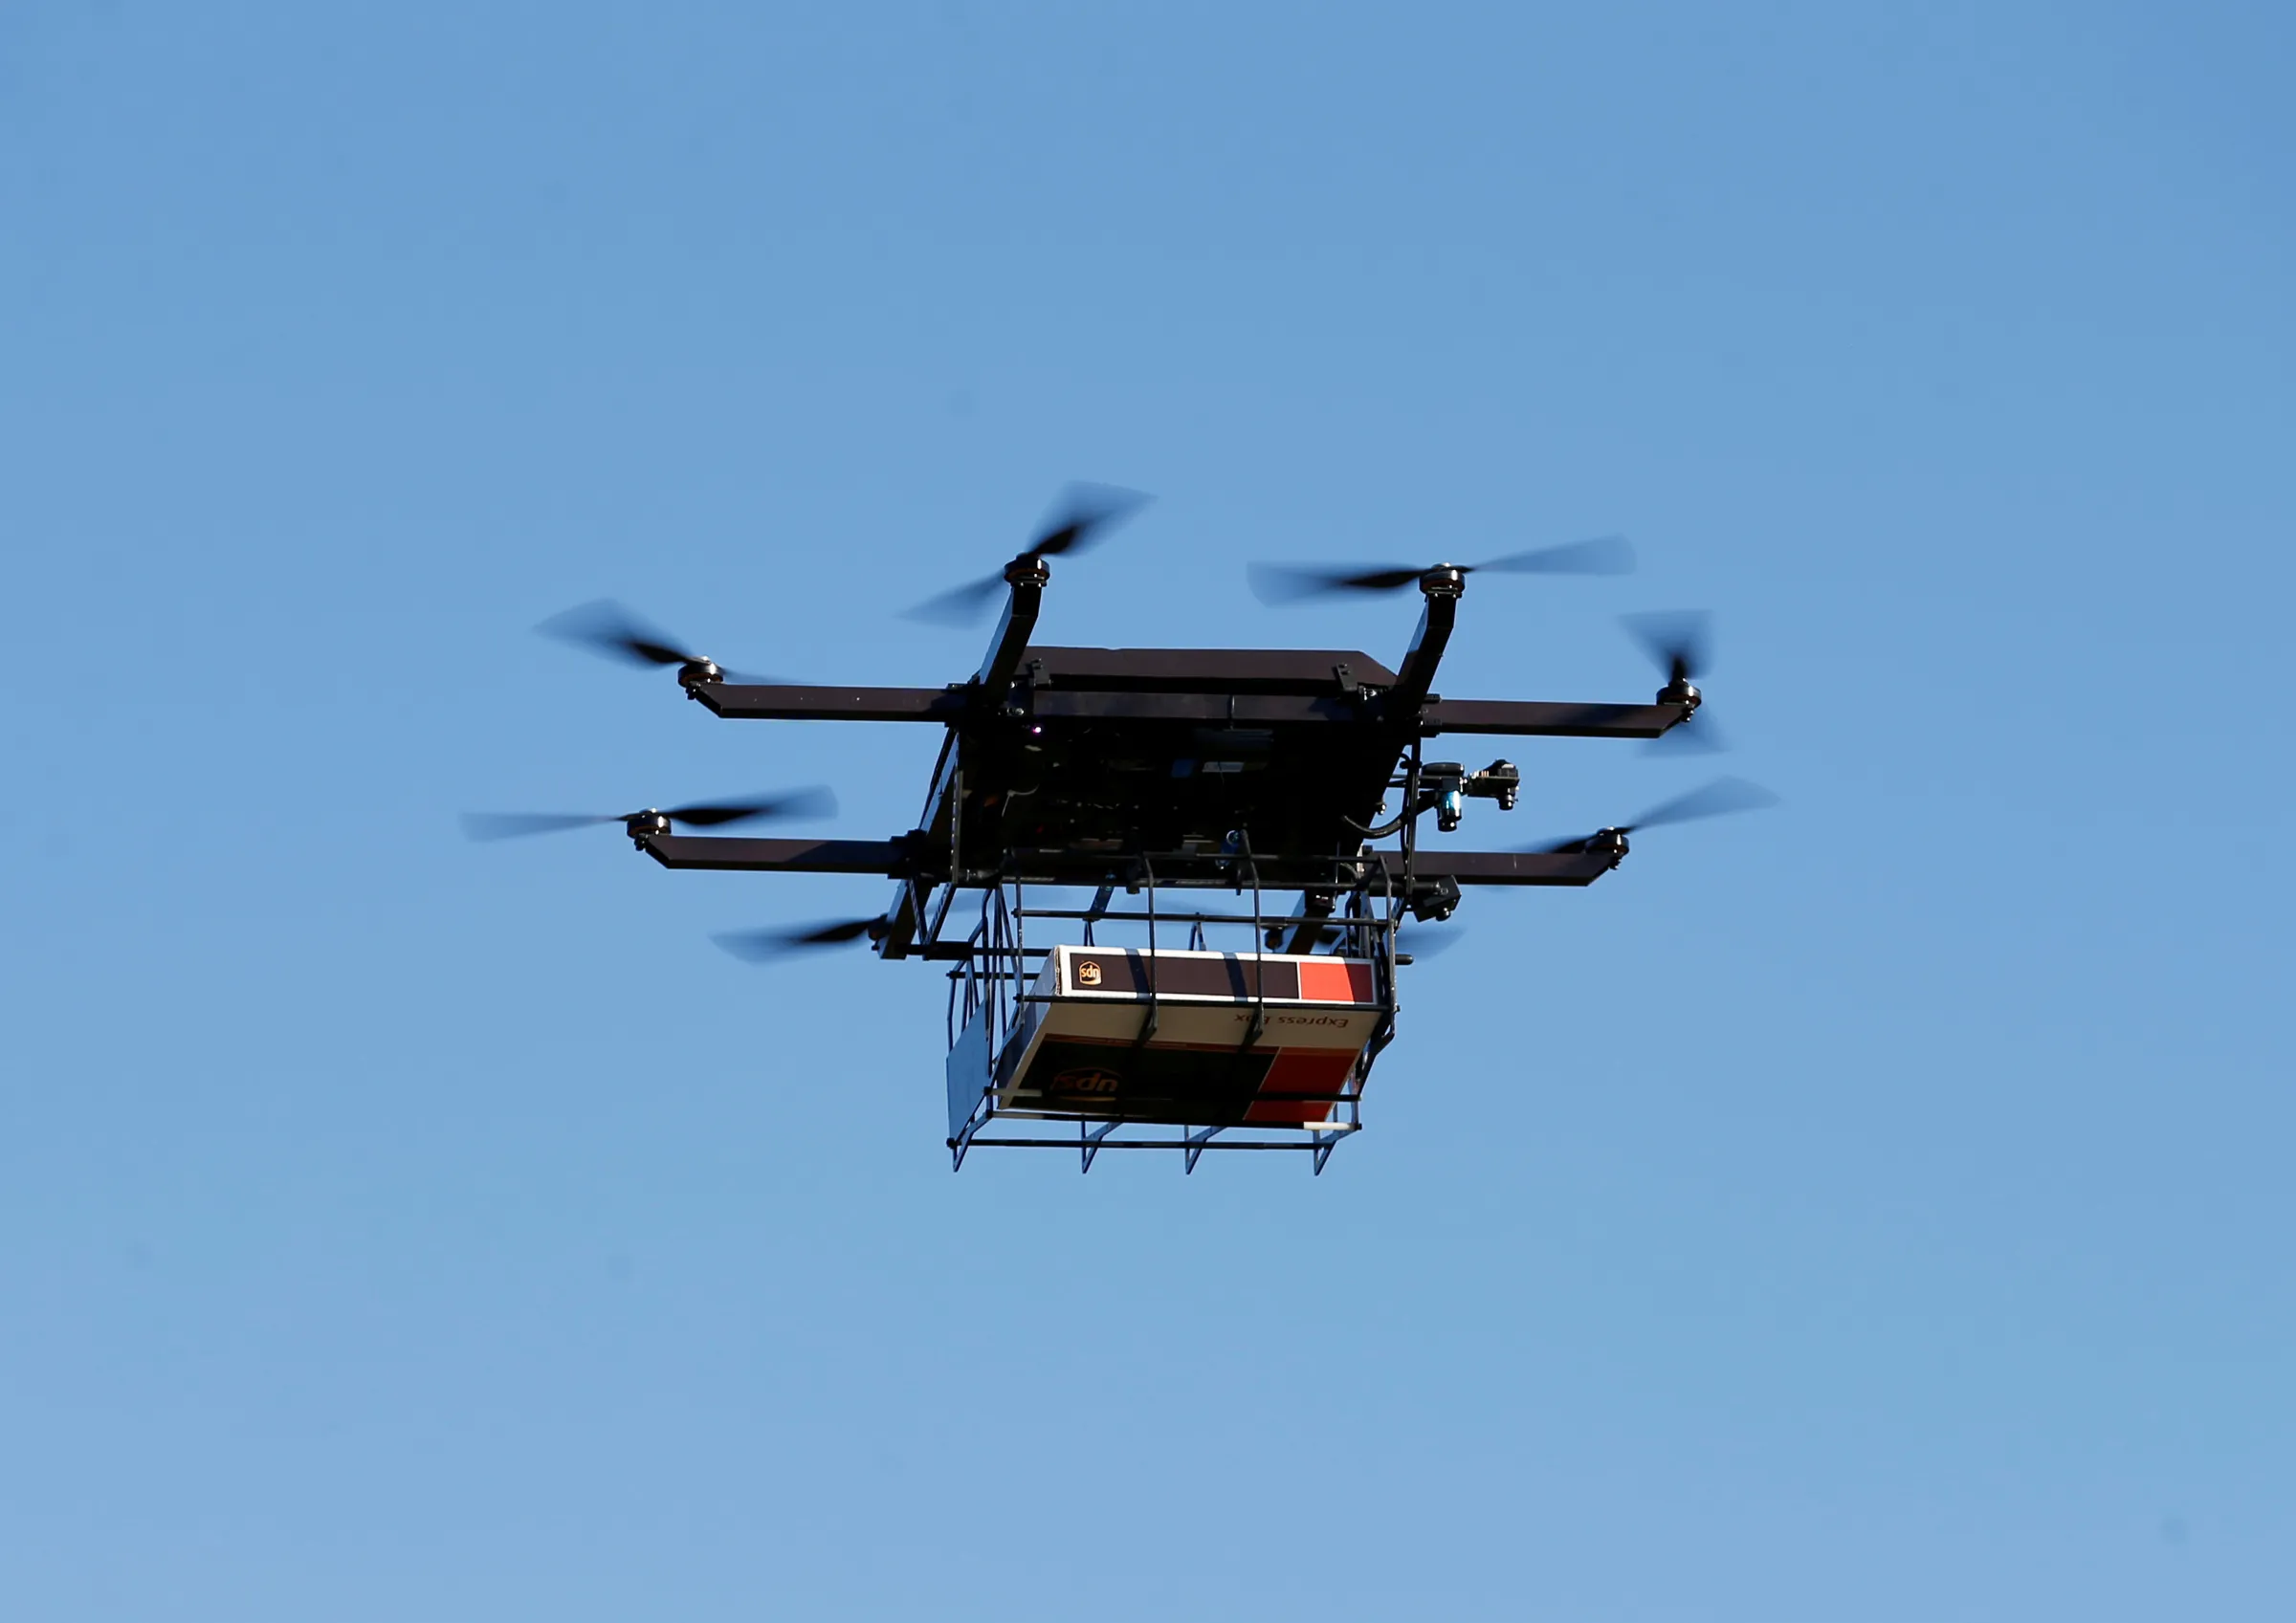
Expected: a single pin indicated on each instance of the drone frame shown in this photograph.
(1135, 744)
(1332, 703)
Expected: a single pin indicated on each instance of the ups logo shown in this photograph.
(1087, 972)
(1089, 1079)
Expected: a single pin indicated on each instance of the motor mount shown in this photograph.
(695, 672)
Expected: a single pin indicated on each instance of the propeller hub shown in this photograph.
(1679, 691)
(1029, 569)
(1444, 581)
(694, 671)
(1610, 842)
(649, 822)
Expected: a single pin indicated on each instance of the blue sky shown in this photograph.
(1875, 1209)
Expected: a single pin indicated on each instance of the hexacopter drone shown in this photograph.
(1110, 797)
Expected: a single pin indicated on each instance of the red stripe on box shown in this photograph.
(1301, 1070)
(1331, 980)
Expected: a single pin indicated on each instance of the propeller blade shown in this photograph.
(1079, 519)
(769, 945)
(513, 825)
(607, 627)
(1696, 734)
(1562, 848)
(960, 605)
(1679, 642)
(1721, 797)
(815, 802)
(1083, 516)
(1604, 555)
(1277, 583)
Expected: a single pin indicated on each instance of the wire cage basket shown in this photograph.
(1143, 1020)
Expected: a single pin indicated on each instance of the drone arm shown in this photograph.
(779, 702)
(1535, 719)
(887, 858)
(1512, 868)
(776, 702)
(1417, 673)
(1027, 576)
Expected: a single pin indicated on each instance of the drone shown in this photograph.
(1173, 887)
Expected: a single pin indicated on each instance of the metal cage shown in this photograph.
(996, 985)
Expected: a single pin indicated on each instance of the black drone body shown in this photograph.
(1154, 773)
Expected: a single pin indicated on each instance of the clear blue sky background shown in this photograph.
(1877, 1209)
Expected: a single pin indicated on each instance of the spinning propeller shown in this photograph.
(511, 826)
(771, 946)
(1284, 583)
(605, 627)
(1718, 799)
(1681, 642)
(1083, 514)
